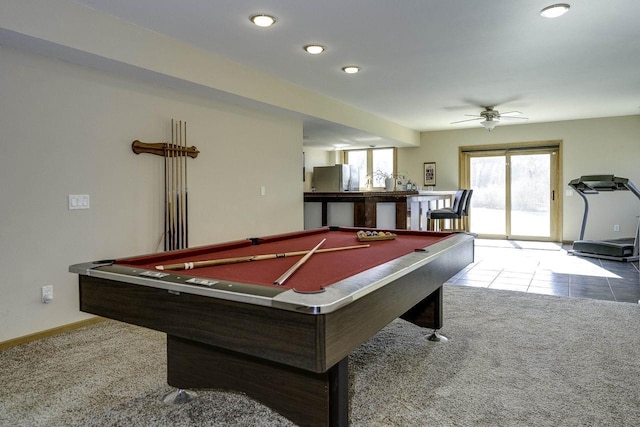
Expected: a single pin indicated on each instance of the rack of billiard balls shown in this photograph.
(370, 235)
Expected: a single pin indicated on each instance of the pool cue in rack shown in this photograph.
(176, 199)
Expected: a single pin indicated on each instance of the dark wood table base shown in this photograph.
(306, 398)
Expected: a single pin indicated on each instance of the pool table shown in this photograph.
(230, 327)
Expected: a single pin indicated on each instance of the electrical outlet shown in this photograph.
(47, 294)
(616, 227)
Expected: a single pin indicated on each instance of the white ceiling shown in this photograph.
(425, 63)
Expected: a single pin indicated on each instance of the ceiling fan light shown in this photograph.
(489, 124)
(555, 10)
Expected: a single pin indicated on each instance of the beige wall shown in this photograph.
(68, 129)
(92, 37)
(607, 145)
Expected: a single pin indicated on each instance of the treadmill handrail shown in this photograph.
(593, 184)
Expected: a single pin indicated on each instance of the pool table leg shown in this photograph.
(428, 312)
(306, 398)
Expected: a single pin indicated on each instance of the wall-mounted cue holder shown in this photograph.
(176, 195)
(164, 149)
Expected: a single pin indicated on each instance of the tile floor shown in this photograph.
(547, 268)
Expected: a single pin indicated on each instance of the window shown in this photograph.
(374, 165)
(383, 165)
(359, 159)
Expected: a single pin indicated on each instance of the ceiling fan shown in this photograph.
(490, 117)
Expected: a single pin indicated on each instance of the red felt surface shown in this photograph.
(321, 270)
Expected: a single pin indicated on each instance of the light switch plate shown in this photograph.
(78, 201)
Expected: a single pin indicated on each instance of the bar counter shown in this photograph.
(365, 205)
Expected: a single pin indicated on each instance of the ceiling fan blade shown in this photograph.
(473, 115)
(483, 103)
(513, 117)
(468, 120)
(511, 112)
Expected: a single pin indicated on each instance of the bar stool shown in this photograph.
(464, 221)
(452, 213)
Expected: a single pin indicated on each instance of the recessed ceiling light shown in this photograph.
(262, 20)
(351, 69)
(555, 10)
(314, 49)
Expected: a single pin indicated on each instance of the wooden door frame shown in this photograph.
(556, 178)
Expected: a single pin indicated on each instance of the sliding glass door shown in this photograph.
(515, 192)
(488, 202)
(530, 194)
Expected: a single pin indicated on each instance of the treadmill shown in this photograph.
(624, 249)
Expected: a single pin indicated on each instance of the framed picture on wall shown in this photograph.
(430, 173)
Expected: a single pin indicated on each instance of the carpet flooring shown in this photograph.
(513, 359)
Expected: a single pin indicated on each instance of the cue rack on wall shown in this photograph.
(176, 194)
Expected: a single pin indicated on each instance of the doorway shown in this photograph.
(515, 191)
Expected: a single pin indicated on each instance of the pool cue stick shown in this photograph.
(167, 195)
(166, 210)
(170, 194)
(174, 178)
(186, 191)
(169, 191)
(280, 280)
(179, 183)
(175, 188)
(172, 188)
(180, 195)
(225, 261)
(183, 159)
